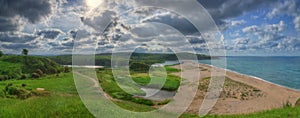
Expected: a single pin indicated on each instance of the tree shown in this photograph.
(25, 52)
(1, 53)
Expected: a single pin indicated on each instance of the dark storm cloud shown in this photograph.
(16, 37)
(177, 22)
(50, 34)
(8, 24)
(223, 9)
(19, 46)
(73, 34)
(220, 10)
(196, 40)
(32, 10)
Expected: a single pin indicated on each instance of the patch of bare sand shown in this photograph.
(243, 94)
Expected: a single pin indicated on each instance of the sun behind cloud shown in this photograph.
(91, 4)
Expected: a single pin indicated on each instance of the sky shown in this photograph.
(53, 27)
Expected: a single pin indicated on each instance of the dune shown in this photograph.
(241, 94)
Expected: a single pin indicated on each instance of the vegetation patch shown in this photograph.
(22, 67)
(109, 85)
(233, 89)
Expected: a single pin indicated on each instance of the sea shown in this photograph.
(284, 71)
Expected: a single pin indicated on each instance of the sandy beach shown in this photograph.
(266, 95)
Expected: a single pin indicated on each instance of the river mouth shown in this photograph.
(160, 95)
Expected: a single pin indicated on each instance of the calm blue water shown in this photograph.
(284, 71)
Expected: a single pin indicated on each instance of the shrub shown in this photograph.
(24, 85)
(16, 92)
(4, 77)
(140, 67)
(1, 53)
(287, 105)
(66, 69)
(163, 102)
(40, 72)
(297, 104)
(35, 75)
(23, 76)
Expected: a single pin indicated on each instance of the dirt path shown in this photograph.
(274, 96)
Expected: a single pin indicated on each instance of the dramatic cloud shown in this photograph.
(224, 9)
(55, 25)
(50, 33)
(32, 10)
(16, 37)
(176, 21)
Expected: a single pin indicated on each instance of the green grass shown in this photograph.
(286, 112)
(170, 69)
(172, 81)
(109, 85)
(62, 101)
(133, 106)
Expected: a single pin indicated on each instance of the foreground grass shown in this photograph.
(287, 112)
(62, 101)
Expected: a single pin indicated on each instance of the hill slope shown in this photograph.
(18, 67)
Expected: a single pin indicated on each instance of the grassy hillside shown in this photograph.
(21, 67)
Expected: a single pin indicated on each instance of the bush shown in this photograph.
(23, 76)
(40, 72)
(24, 85)
(35, 75)
(163, 102)
(139, 67)
(1, 53)
(16, 92)
(2, 78)
(297, 104)
(66, 69)
(287, 105)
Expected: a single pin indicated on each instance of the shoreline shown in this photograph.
(270, 96)
(246, 75)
